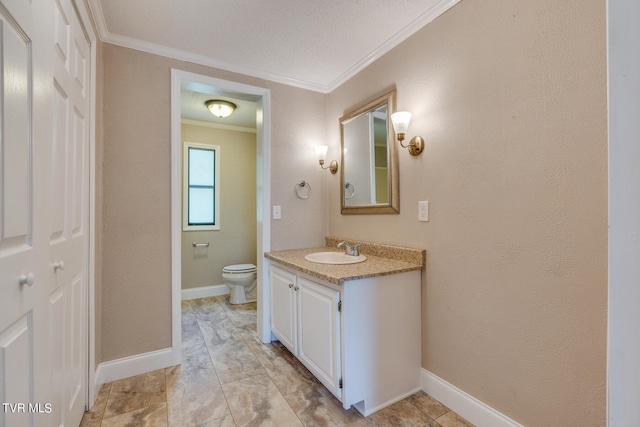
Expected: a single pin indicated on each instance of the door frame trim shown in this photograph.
(263, 181)
(87, 23)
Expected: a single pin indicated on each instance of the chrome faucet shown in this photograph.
(349, 249)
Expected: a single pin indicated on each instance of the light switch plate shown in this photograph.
(423, 210)
(277, 213)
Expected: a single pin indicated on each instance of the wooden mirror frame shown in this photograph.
(393, 207)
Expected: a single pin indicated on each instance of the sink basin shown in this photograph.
(334, 258)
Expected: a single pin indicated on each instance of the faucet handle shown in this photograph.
(355, 250)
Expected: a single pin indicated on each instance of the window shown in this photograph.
(201, 187)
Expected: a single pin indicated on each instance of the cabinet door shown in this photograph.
(283, 307)
(319, 332)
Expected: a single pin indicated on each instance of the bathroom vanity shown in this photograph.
(356, 327)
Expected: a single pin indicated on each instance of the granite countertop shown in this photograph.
(381, 260)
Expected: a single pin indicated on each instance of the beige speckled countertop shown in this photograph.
(381, 260)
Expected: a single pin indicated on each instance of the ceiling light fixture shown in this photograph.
(220, 108)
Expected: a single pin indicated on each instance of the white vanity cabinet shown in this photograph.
(305, 317)
(360, 338)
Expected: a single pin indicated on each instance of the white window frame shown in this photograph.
(185, 187)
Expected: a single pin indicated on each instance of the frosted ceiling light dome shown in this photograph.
(220, 108)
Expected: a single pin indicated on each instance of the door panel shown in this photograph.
(283, 308)
(59, 164)
(69, 238)
(20, 275)
(319, 334)
(44, 195)
(16, 371)
(56, 351)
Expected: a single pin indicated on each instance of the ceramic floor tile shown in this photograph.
(186, 305)
(229, 378)
(212, 316)
(242, 316)
(234, 361)
(451, 419)
(219, 331)
(316, 406)
(401, 414)
(196, 357)
(191, 334)
(428, 405)
(220, 422)
(242, 320)
(136, 392)
(93, 418)
(288, 374)
(203, 304)
(257, 345)
(149, 416)
(194, 397)
(256, 401)
(248, 332)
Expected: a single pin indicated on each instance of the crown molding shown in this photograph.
(98, 18)
(182, 55)
(436, 10)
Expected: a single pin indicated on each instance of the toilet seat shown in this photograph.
(240, 269)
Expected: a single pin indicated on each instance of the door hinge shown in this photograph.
(340, 383)
(339, 305)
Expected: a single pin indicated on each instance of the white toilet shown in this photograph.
(242, 282)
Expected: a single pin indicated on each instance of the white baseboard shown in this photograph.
(134, 365)
(463, 403)
(205, 291)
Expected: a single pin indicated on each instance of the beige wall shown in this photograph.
(136, 227)
(235, 242)
(511, 100)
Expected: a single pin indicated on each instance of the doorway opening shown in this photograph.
(261, 97)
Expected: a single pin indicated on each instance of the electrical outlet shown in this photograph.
(423, 210)
(277, 213)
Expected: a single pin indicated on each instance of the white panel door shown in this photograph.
(68, 234)
(319, 332)
(44, 148)
(24, 136)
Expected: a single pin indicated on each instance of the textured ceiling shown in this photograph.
(193, 108)
(314, 44)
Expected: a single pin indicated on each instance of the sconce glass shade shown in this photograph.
(321, 152)
(220, 108)
(401, 121)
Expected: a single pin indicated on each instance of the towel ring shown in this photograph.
(349, 193)
(302, 190)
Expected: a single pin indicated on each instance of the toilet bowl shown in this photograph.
(242, 282)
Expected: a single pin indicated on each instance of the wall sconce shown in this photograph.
(400, 122)
(220, 108)
(321, 152)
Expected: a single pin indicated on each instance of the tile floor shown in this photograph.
(229, 378)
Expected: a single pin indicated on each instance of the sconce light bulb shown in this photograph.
(401, 120)
(321, 152)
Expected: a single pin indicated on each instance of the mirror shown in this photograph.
(369, 172)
